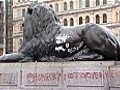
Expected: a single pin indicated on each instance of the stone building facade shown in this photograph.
(76, 12)
(72, 12)
(6, 27)
(9, 26)
(1, 26)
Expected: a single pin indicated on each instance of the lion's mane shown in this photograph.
(41, 25)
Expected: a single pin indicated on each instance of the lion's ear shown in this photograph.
(29, 11)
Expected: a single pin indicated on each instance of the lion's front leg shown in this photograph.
(14, 57)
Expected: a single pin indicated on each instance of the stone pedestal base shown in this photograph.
(74, 75)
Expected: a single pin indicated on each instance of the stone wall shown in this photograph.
(77, 75)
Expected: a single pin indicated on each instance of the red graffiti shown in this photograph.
(85, 75)
(42, 77)
(36, 77)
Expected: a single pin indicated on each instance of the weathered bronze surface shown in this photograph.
(46, 39)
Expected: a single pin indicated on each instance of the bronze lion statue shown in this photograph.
(46, 39)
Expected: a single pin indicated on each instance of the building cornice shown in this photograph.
(113, 25)
(19, 34)
(17, 20)
(89, 9)
(21, 4)
(50, 1)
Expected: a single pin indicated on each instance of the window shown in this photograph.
(18, 13)
(1, 52)
(104, 2)
(119, 15)
(87, 2)
(98, 2)
(87, 19)
(51, 6)
(9, 11)
(65, 6)
(71, 4)
(65, 22)
(97, 19)
(10, 32)
(1, 33)
(80, 3)
(23, 12)
(20, 41)
(0, 16)
(116, 16)
(71, 22)
(104, 18)
(56, 7)
(0, 3)
(21, 28)
(80, 20)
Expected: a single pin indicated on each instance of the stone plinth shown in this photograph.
(74, 75)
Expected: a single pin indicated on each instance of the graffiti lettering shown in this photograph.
(36, 77)
(42, 77)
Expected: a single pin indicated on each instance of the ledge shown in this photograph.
(62, 64)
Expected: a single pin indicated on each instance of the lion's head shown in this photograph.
(41, 24)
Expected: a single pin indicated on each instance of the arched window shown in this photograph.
(98, 2)
(21, 27)
(97, 19)
(87, 19)
(80, 3)
(87, 3)
(23, 12)
(65, 22)
(65, 6)
(104, 18)
(104, 2)
(80, 20)
(71, 4)
(71, 22)
(56, 7)
(51, 6)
